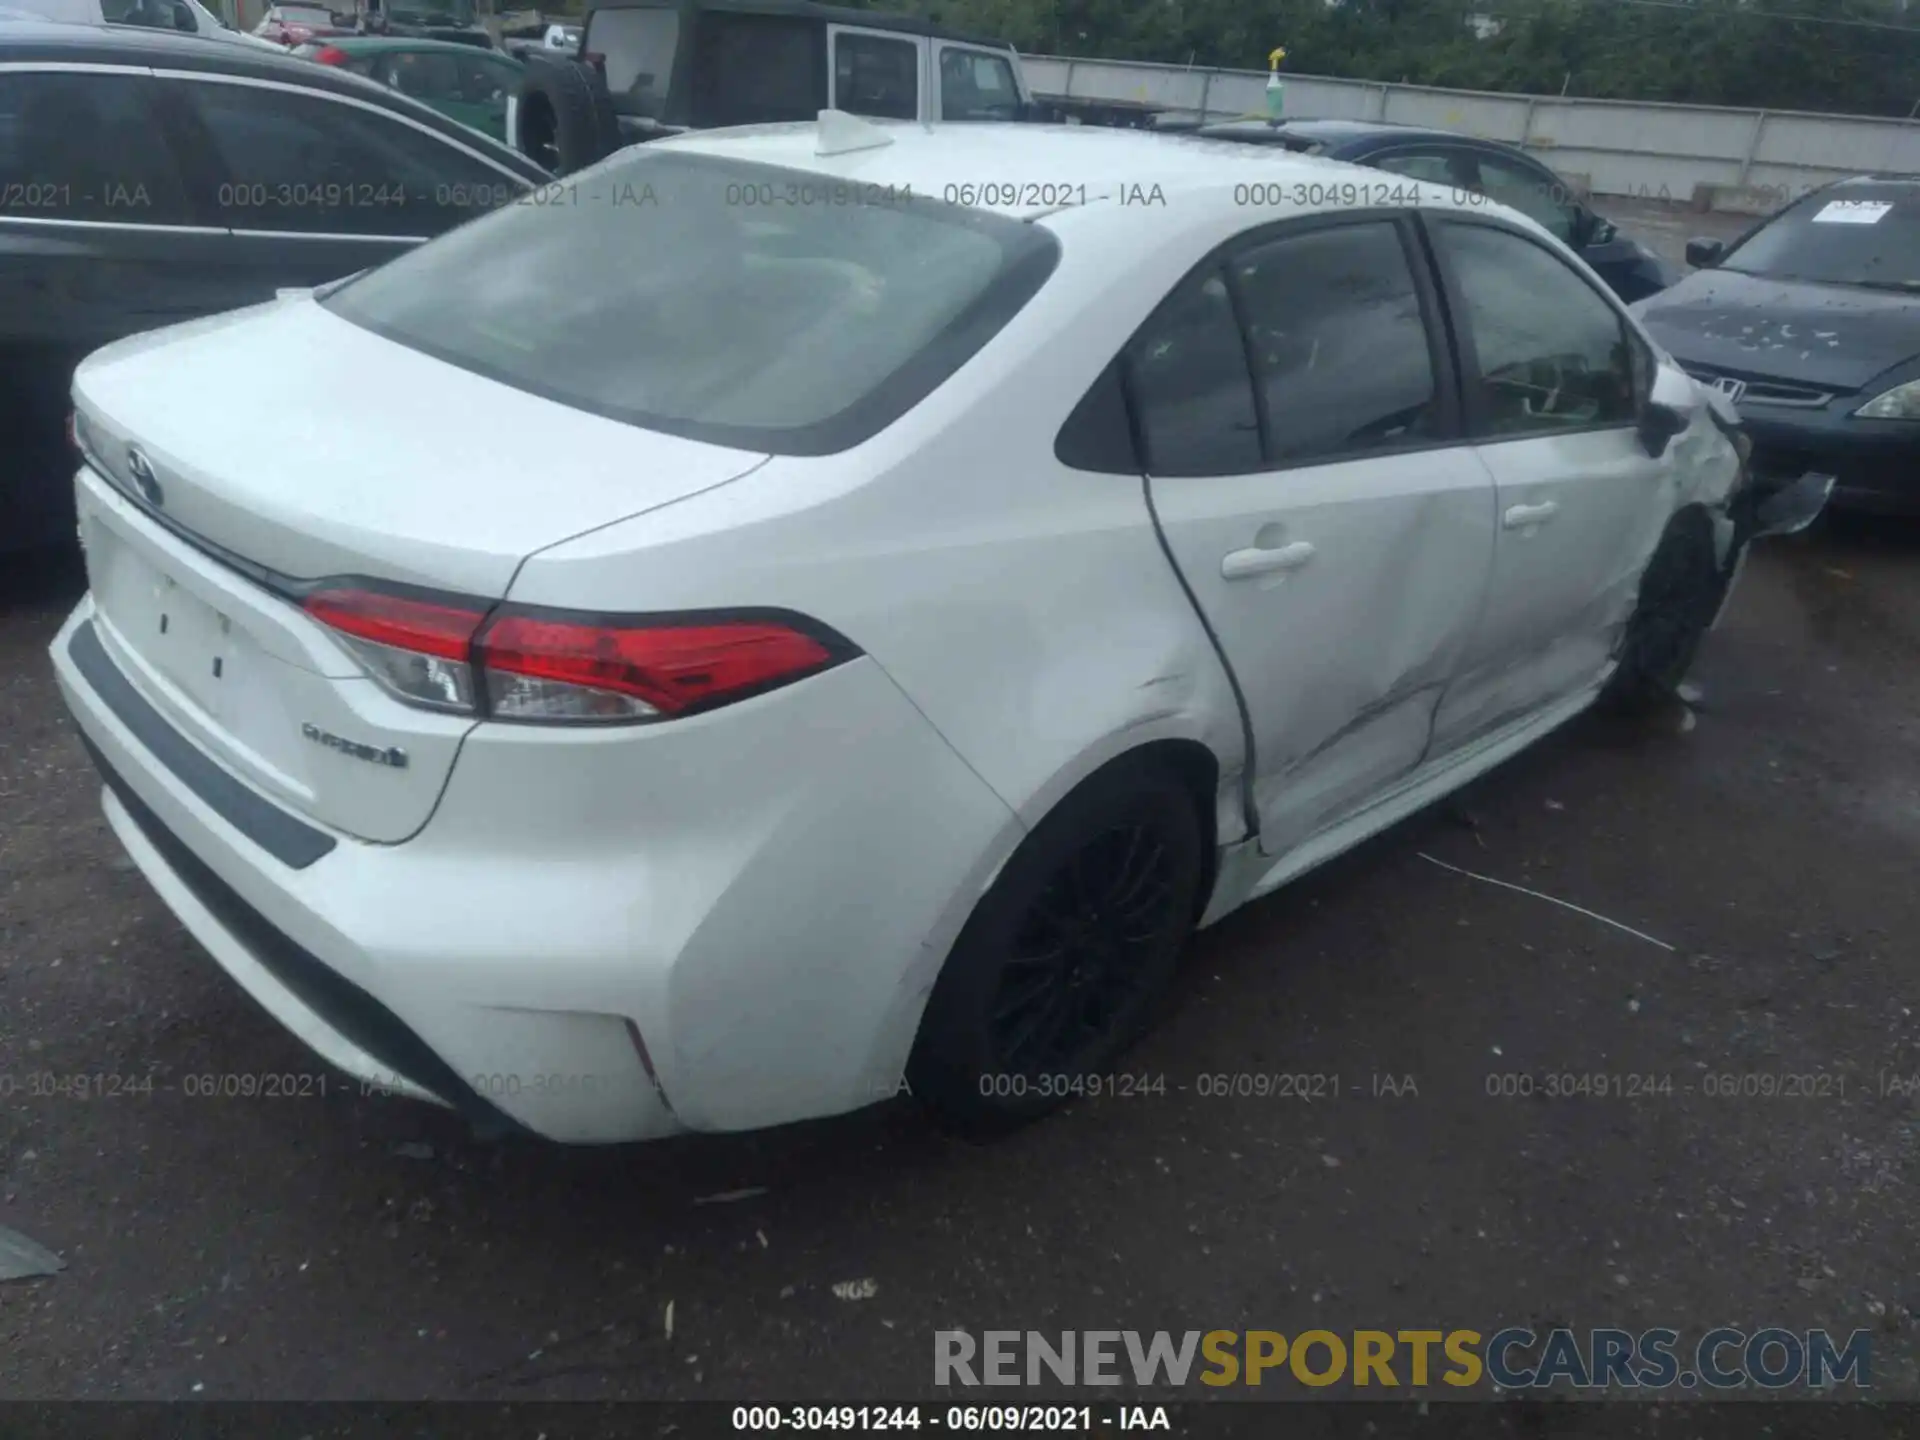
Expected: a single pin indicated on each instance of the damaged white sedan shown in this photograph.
(909, 580)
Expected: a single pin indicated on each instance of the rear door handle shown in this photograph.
(1520, 517)
(1242, 564)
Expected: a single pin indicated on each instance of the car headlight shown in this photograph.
(1900, 403)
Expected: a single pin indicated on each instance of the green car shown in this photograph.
(462, 82)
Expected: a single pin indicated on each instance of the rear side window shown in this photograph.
(429, 75)
(303, 163)
(755, 69)
(79, 146)
(484, 81)
(1192, 390)
(875, 75)
(1537, 194)
(800, 330)
(977, 85)
(638, 45)
(1339, 345)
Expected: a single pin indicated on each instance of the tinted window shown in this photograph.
(1440, 167)
(796, 329)
(484, 81)
(1192, 390)
(305, 163)
(1339, 346)
(638, 46)
(1536, 193)
(873, 75)
(432, 12)
(430, 75)
(1860, 235)
(758, 68)
(150, 14)
(1552, 354)
(75, 146)
(976, 85)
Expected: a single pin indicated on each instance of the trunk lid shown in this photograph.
(377, 462)
(313, 447)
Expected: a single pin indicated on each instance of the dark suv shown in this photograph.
(656, 67)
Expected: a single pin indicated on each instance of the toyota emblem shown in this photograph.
(144, 480)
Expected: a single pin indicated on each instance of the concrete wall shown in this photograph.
(1751, 160)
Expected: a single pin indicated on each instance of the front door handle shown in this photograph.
(1521, 517)
(1244, 563)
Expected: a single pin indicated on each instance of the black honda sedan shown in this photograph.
(1486, 167)
(1810, 322)
(150, 178)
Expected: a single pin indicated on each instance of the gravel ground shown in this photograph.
(343, 1247)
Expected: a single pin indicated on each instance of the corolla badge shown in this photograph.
(390, 755)
(144, 480)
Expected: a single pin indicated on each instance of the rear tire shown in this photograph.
(566, 119)
(1063, 961)
(1680, 593)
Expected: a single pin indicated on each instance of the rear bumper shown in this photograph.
(731, 938)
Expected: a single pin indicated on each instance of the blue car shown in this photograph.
(1500, 172)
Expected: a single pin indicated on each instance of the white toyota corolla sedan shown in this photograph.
(857, 625)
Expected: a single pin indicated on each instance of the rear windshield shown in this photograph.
(745, 305)
(1856, 235)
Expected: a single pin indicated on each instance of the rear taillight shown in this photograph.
(420, 650)
(330, 55)
(596, 60)
(556, 667)
(73, 434)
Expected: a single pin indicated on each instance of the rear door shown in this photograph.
(1297, 404)
(98, 240)
(877, 72)
(1554, 383)
(316, 185)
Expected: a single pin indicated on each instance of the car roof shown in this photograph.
(139, 45)
(825, 14)
(56, 42)
(1324, 132)
(1017, 169)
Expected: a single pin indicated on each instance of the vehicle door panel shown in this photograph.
(1554, 381)
(1334, 537)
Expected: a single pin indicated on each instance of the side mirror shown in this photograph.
(184, 20)
(1658, 425)
(1703, 254)
(1600, 230)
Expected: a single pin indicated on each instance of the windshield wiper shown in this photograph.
(1903, 287)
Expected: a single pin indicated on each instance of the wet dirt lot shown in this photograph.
(337, 1246)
